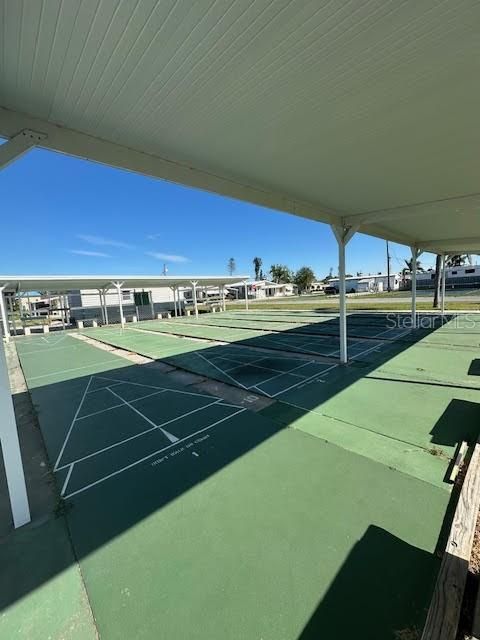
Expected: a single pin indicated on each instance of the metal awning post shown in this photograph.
(105, 311)
(223, 297)
(174, 289)
(118, 287)
(443, 284)
(246, 295)
(62, 300)
(100, 294)
(415, 254)
(3, 311)
(194, 293)
(10, 447)
(176, 297)
(343, 236)
(12, 314)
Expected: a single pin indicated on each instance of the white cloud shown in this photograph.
(167, 257)
(153, 236)
(92, 254)
(105, 242)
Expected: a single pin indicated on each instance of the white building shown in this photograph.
(465, 277)
(258, 289)
(144, 303)
(366, 283)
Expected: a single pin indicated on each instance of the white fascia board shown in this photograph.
(89, 147)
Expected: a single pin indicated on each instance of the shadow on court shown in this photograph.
(185, 499)
(366, 589)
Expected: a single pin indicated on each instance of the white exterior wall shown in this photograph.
(352, 283)
(91, 298)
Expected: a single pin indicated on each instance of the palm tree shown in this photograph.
(231, 266)
(456, 260)
(257, 263)
(408, 268)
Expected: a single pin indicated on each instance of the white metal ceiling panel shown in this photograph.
(341, 107)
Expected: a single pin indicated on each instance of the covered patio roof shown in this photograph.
(360, 115)
(69, 282)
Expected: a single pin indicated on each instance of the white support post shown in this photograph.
(62, 302)
(246, 294)
(12, 314)
(194, 294)
(443, 284)
(102, 310)
(10, 447)
(67, 309)
(18, 145)
(415, 254)
(223, 297)
(118, 287)
(152, 306)
(105, 310)
(3, 311)
(343, 236)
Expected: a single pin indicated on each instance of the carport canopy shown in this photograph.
(65, 283)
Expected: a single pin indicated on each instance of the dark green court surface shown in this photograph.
(192, 517)
(269, 373)
(288, 340)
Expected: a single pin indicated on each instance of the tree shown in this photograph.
(262, 275)
(456, 260)
(280, 273)
(408, 268)
(257, 263)
(304, 278)
(231, 266)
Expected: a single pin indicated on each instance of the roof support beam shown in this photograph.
(415, 254)
(118, 286)
(451, 244)
(407, 210)
(10, 448)
(19, 144)
(343, 236)
(194, 295)
(97, 150)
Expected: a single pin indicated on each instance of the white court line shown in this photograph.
(65, 484)
(287, 373)
(102, 388)
(138, 435)
(258, 366)
(115, 406)
(56, 373)
(27, 353)
(72, 423)
(222, 371)
(95, 413)
(150, 455)
(315, 375)
(166, 433)
(151, 386)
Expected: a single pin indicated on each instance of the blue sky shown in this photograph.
(65, 215)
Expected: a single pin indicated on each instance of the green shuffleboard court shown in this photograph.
(177, 501)
(264, 524)
(321, 345)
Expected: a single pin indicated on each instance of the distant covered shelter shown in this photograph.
(119, 289)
